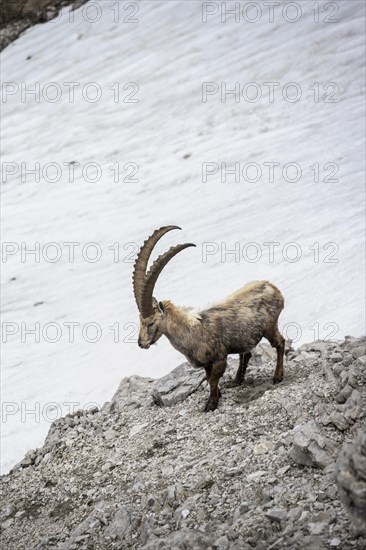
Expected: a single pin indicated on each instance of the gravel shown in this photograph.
(273, 467)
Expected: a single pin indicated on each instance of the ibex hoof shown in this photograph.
(210, 406)
(233, 383)
(277, 380)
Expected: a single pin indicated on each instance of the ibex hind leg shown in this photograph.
(277, 341)
(240, 373)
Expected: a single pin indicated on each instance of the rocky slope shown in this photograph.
(16, 16)
(274, 467)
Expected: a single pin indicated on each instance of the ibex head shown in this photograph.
(151, 311)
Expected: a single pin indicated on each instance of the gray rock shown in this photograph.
(146, 533)
(335, 541)
(133, 392)
(353, 407)
(7, 523)
(47, 457)
(351, 479)
(262, 447)
(321, 346)
(294, 514)
(136, 429)
(310, 448)
(341, 416)
(150, 502)
(276, 514)
(317, 527)
(337, 419)
(183, 539)
(352, 341)
(312, 542)
(121, 524)
(265, 352)
(241, 510)
(359, 351)
(173, 493)
(7, 512)
(336, 357)
(28, 459)
(203, 482)
(222, 543)
(177, 385)
(344, 394)
(361, 361)
(300, 360)
(256, 475)
(91, 522)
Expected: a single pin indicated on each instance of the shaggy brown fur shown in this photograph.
(235, 325)
(206, 339)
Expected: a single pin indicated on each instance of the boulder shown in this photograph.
(310, 448)
(121, 524)
(177, 385)
(351, 479)
(133, 392)
(182, 540)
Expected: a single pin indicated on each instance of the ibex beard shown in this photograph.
(235, 325)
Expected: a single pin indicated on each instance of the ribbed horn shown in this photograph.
(142, 259)
(152, 276)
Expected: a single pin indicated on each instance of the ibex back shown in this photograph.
(235, 325)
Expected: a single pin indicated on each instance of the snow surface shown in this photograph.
(169, 53)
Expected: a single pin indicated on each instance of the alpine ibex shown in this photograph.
(235, 325)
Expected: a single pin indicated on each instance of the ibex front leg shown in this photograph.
(214, 374)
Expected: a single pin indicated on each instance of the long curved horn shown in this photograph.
(142, 259)
(152, 276)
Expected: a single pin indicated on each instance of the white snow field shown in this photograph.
(162, 81)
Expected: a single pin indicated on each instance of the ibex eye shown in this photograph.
(150, 325)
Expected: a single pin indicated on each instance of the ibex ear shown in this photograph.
(158, 305)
